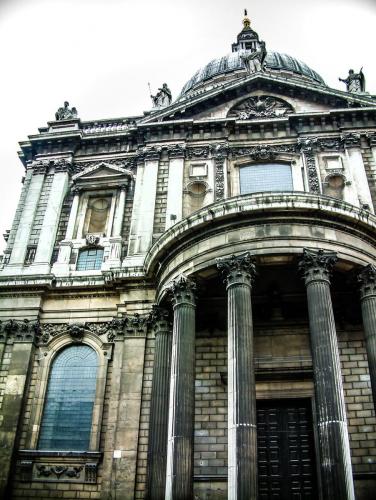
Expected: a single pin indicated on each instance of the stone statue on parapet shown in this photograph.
(66, 112)
(355, 82)
(162, 98)
(254, 61)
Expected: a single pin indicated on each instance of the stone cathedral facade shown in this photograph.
(188, 296)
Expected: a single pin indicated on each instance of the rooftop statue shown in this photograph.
(65, 113)
(254, 61)
(162, 98)
(355, 82)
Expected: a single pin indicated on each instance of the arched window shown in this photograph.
(259, 178)
(68, 409)
(90, 259)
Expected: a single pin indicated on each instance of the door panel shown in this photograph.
(286, 454)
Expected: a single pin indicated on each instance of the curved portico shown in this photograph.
(277, 230)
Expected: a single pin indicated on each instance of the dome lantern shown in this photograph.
(247, 39)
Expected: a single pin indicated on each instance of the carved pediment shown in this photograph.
(102, 172)
(261, 107)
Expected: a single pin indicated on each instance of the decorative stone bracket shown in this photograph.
(58, 466)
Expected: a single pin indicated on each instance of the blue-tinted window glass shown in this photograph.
(265, 177)
(90, 260)
(68, 409)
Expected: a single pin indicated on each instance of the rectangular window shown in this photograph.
(30, 255)
(259, 178)
(90, 260)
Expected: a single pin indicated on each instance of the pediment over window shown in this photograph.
(263, 106)
(103, 173)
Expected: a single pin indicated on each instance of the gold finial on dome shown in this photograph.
(246, 20)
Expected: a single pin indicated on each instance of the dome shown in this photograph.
(233, 62)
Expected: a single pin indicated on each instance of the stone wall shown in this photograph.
(18, 213)
(64, 217)
(359, 405)
(161, 200)
(41, 209)
(275, 348)
(142, 455)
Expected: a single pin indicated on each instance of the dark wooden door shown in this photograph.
(286, 455)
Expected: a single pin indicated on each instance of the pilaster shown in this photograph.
(352, 143)
(17, 257)
(174, 209)
(239, 272)
(21, 335)
(141, 231)
(335, 459)
(47, 236)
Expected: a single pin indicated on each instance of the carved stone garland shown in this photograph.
(219, 154)
(306, 146)
(117, 328)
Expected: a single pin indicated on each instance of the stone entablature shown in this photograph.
(288, 207)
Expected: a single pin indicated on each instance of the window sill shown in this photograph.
(58, 466)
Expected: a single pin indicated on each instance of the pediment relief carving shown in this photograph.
(260, 107)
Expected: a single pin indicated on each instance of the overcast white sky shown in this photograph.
(100, 54)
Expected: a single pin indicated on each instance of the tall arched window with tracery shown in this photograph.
(68, 410)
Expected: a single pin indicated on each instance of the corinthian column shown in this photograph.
(335, 460)
(158, 428)
(179, 480)
(367, 279)
(242, 437)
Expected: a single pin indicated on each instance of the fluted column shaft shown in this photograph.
(242, 434)
(179, 478)
(158, 428)
(367, 280)
(335, 459)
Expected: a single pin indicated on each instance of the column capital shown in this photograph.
(316, 265)
(75, 190)
(367, 281)
(182, 290)
(62, 165)
(176, 151)
(159, 319)
(308, 144)
(351, 140)
(19, 330)
(238, 269)
(371, 136)
(220, 151)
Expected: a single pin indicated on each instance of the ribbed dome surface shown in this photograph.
(232, 62)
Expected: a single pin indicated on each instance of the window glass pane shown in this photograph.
(68, 409)
(265, 177)
(90, 260)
